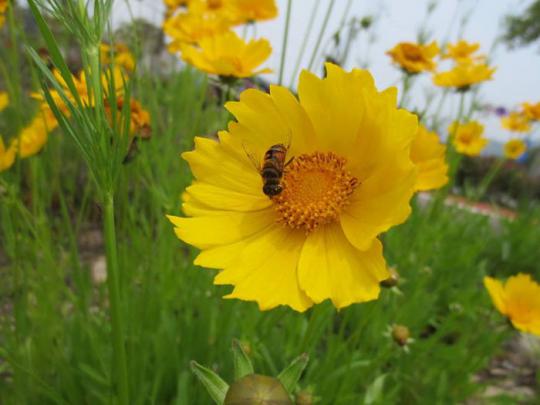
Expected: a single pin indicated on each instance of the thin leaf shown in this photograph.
(216, 387)
(290, 376)
(242, 362)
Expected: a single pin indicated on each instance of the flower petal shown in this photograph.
(496, 292)
(330, 267)
(266, 270)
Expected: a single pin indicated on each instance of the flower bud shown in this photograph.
(391, 281)
(255, 389)
(400, 334)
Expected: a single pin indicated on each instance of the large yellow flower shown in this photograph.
(464, 75)
(428, 154)
(7, 155)
(228, 55)
(4, 100)
(414, 58)
(463, 52)
(514, 148)
(467, 138)
(532, 111)
(518, 299)
(350, 179)
(516, 122)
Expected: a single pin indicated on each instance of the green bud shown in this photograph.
(216, 387)
(257, 389)
(242, 363)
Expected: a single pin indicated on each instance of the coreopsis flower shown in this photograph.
(463, 52)
(337, 174)
(467, 138)
(428, 154)
(3, 8)
(518, 299)
(139, 124)
(514, 148)
(173, 5)
(32, 137)
(4, 100)
(532, 111)
(414, 58)
(464, 75)
(228, 55)
(516, 122)
(121, 56)
(7, 155)
(242, 11)
(191, 28)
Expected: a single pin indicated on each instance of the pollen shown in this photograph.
(316, 187)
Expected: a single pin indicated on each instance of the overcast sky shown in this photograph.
(517, 78)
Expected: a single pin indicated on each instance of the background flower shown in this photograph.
(514, 148)
(429, 156)
(467, 138)
(414, 58)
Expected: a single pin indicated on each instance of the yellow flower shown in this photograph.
(467, 138)
(228, 55)
(414, 58)
(139, 118)
(4, 100)
(121, 56)
(173, 5)
(3, 8)
(462, 52)
(464, 75)
(7, 156)
(516, 122)
(518, 299)
(242, 11)
(514, 148)
(350, 179)
(191, 28)
(32, 138)
(532, 111)
(428, 154)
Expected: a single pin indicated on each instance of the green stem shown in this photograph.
(321, 34)
(454, 157)
(307, 34)
(120, 379)
(407, 84)
(488, 179)
(285, 40)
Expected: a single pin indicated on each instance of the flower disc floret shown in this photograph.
(315, 189)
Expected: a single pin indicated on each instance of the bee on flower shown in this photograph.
(414, 58)
(516, 122)
(350, 179)
(514, 149)
(467, 138)
(518, 299)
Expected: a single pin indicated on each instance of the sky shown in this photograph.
(517, 78)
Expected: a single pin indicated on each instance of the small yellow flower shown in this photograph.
(532, 111)
(32, 138)
(467, 138)
(121, 56)
(139, 117)
(464, 75)
(514, 148)
(4, 100)
(463, 52)
(228, 55)
(350, 179)
(516, 122)
(242, 11)
(3, 8)
(518, 299)
(414, 58)
(429, 156)
(7, 156)
(191, 28)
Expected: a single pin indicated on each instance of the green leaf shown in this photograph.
(290, 376)
(242, 363)
(216, 387)
(374, 392)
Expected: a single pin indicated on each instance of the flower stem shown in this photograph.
(455, 157)
(407, 83)
(304, 42)
(120, 367)
(321, 34)
(488, 179)
(285, 40)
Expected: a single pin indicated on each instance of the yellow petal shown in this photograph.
(267, 274)
(496, 292)
(331, 268)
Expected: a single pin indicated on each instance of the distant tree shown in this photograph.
(524, 29)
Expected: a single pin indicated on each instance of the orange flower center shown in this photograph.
(315, 189)
(214, 4)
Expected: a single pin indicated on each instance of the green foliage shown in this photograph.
(524, 29)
